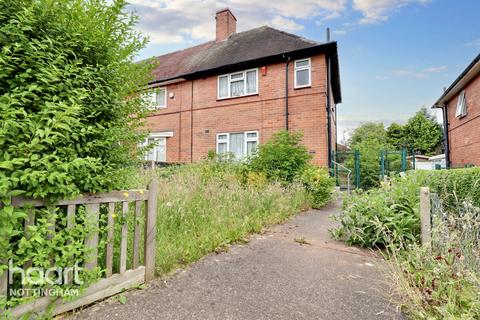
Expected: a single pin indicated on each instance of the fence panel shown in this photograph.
(93, 204)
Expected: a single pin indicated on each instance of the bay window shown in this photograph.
(238, 84)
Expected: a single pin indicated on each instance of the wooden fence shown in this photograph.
(112, 283)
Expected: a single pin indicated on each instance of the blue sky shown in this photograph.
(395, 55)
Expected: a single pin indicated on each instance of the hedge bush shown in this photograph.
(389, 214)
(69, 114)
(282, 157)
(453, 186)
(319, 185)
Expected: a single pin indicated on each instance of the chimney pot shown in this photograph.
(226, 24)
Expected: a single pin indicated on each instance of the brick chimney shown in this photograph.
(226, 24)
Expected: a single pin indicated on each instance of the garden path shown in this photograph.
(292, 271)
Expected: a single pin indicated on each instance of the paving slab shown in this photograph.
(292, 271)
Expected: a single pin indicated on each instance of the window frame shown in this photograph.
(154, 136)
(155, 91)
(295, 69)
(461, 110)
(245, 140)
(230, 80)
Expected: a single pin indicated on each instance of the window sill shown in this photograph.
(247, 95)
(302, 87)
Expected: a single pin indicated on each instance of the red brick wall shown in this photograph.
(464, 132)
(264, 112)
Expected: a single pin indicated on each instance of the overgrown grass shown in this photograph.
(205, 206)
(442, 280)
(439, 281)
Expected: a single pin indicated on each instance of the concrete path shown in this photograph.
(271, 277)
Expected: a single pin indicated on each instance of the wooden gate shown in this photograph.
(111, 283)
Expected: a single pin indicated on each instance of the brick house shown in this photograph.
(233, 93)
(460, 104)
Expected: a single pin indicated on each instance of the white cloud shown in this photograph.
(375, 11)
(170, 21)
(286, 24)
(473, 43)
(420, 74)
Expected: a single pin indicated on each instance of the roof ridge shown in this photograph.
(293, 35)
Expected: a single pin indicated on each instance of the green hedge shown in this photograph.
(453, 185)
(389, 214)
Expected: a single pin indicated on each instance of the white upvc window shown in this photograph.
(461, 105)
(303, 73)
(157, 98)
(239, 144)
(238, 84)
(157, 143)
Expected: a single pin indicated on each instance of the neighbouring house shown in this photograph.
(438, 161)
(461, 117)
(420, 162)
(233, 93)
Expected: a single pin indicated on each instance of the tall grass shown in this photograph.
(442, 280)
(205, 206)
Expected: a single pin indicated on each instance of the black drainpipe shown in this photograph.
(329, 116)
(329, 109)
(286, 92)
(445, 135)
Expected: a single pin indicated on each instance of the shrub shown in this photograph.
(67, 105)
(69, 113)
(381, 216)
(282, 157)
(318, 184)
(390, 213)
(453, 186)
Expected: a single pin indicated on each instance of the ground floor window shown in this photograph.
(239, 144)
(158, 152)
(158, 146)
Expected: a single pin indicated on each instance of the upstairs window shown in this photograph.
(302, 73)
(238, 84)
(239, 144)
(461, 105)
(157, 98)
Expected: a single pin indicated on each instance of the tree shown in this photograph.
(395, 135)
(68, 105)
(369, 139)
(371, 131)
(423, 132)
(70, 113)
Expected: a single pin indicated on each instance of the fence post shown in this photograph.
(425, 215)
(404, 159)
(357, 169)
(151, 230)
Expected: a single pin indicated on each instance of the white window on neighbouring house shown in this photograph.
(157, 98)
(238, 84)
(239, 144)
(302, 73)
(461, 105)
